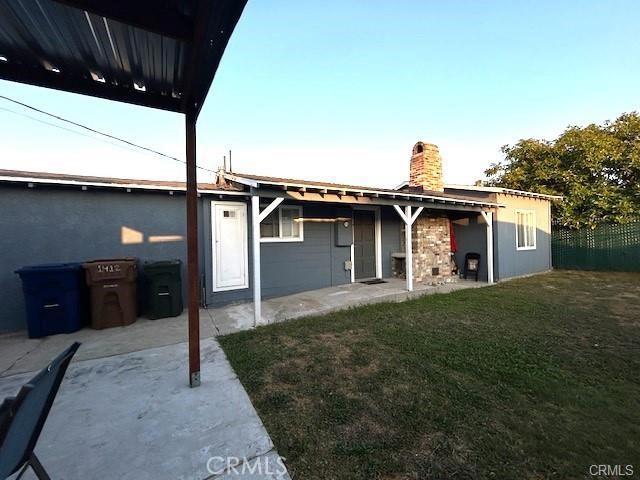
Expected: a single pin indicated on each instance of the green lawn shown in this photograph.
(533, 378)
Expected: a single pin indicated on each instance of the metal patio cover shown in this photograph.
(156, 53)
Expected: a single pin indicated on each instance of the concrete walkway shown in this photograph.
(132, 416)
(22, 354)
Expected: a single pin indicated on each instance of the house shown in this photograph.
(267, 237)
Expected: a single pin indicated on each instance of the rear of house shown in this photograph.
(268, 237)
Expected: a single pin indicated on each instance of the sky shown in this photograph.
(340, 90)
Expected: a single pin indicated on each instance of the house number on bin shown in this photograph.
(109, 268)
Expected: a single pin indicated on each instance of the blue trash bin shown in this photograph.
(55, 298)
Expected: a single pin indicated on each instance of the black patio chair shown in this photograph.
(23, 416)
(471, 264)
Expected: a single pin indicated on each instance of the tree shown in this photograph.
(595, 168)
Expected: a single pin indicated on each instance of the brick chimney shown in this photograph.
(426, 167)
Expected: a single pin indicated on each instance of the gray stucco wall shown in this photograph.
(50, 225)
(472, 237)
(61, 224)
(299, 266)
(291, 267)
(390, 223)
(288, 267)
(508, 260)
(511, 261)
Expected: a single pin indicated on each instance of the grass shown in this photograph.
(533, 378)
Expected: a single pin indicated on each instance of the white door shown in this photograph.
(230, 260)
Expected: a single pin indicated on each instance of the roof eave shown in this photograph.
(353, 191)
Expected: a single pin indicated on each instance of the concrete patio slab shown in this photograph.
(234, 318)
(132, 416)
(22, 354)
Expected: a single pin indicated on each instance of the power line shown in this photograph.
(44, 122)
(92, 130)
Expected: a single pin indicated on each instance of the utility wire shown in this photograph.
(93, 130)
(76, 132)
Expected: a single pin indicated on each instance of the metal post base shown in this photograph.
(194, 381)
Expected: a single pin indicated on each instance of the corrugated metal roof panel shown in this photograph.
(135, 51)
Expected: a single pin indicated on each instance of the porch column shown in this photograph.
(408, 220)
(408, 249)
(255, 249)
(256, 218)
(488, 218)
(193, 271)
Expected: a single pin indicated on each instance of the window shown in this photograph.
(284, 224)
(525, 230)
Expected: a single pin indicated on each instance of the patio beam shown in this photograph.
(401, 213)
(193, 271)
(488, 218)
(348, 198)
(270, 208)
(416, 214)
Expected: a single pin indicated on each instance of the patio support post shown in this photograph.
(488, 218)
(256, 217)
(408, 248)
(255, 249)
(193, 271)
(408, 220)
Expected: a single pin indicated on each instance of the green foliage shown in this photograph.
(595, 168)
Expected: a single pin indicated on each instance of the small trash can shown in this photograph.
(112, 291)
(55, 298)
(163, 289)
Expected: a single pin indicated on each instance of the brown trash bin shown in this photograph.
(112, 285)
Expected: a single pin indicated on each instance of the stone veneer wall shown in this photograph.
(431, 249)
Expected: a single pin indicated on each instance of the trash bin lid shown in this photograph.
(49, 268)
(99, 271)
(162, 263)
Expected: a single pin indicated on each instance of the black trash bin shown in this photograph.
(163, 288)
(55, 298)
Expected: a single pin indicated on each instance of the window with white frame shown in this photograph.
(284, 224)
(525, 229)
